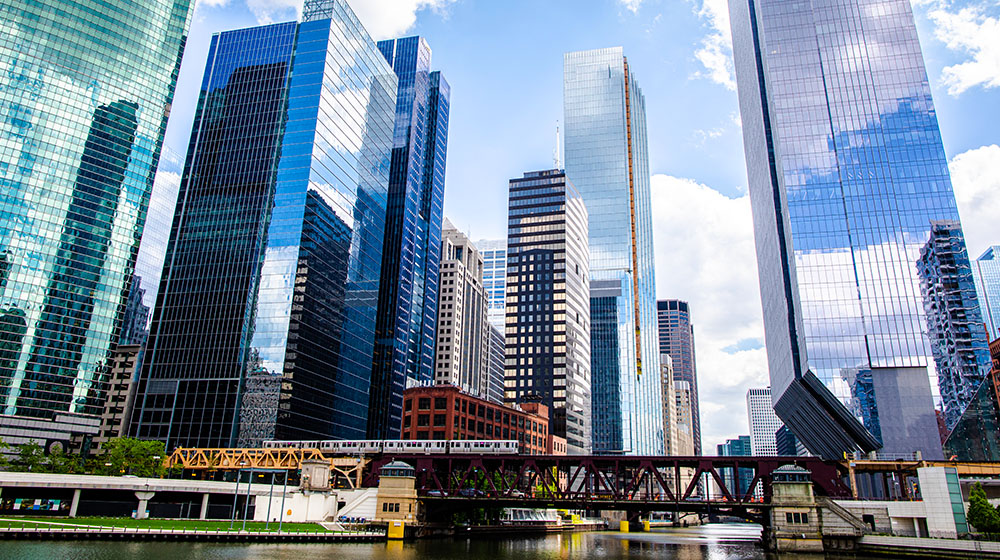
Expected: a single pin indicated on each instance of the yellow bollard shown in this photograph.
(645, 525)
(396, 530)
(623, 526)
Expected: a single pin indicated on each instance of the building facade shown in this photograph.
(121, 395)
(407, 299)
(764, 423)
(684, 423)
(669, 399)
(954, 321)
(976, 436)
(676, 339)
(846, 172)
(463, 347)
(548, 311)
(85, 94)
(494, 254)
(738, 482)
(986, 272)
(495, 364)
(444, 412)
(607, 159)
(264, 325)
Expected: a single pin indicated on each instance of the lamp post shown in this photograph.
(236, 495)
(246, 502)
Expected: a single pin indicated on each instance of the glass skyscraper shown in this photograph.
(85, 91)
(986, 273)
(675, 334)
(407, 312)
(264, 324)
(608, 161)
(846, 173)
(494, 253)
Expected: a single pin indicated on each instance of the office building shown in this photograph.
(669, 405)
(736, 482)
(463, 351)
(607, 159)
(494, 254)
(264, 324)
(684, 424)
(976, 436)
(764, 423)
(121, 395)
(548, 311)
(407, 299)
(676, 338)
(986, 273)
(85, 92)
(954, 323)
(495, 365)
(846, 172)
(444, 412)
(787, 444)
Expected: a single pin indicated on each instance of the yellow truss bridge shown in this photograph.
(224, 459)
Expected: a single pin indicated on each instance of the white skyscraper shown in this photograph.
(494, 253)
(763, 422)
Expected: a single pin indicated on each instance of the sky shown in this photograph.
(503, 60)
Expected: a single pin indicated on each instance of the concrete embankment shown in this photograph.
(911, 547)
(121, 533)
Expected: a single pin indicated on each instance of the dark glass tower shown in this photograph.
(846, 173)
(676, 338)
(407, 301)
(264, 322)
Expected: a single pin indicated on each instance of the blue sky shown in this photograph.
(504, 62)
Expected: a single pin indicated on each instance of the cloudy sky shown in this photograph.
(504, 62)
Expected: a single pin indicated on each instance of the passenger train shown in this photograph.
(427, 447)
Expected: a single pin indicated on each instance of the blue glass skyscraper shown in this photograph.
(608, 161)
(407, 316)
(85, 91)
(264, 324)
(986, 273)
(846, 173)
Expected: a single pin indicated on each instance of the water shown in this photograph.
(712, 542)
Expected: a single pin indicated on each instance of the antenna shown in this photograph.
(555, 153)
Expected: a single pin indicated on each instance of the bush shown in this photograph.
(984, 517)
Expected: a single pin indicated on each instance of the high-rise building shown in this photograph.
(986, 272)
(548, 310)
(494, 254)
(739, 482)
(264, 325)
(764, 423)
(462, 353)
(607, 159)
(676, 338)
(684, 422)
(976, 436)
(954, 321)
(121, 395)
(407, 299)
(846, 172)
(84, 92)
(495, 365)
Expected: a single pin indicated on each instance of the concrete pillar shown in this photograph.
(204, 507)
(144, 498)
(75, 503)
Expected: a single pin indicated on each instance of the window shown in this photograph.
(440, 419)
(440, 403)
(424, 420)
(424, 403)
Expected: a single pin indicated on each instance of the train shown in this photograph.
(427, 447)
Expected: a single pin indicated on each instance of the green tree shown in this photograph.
(131, 456)
(4, 462)
(984, 517)
(30, 458)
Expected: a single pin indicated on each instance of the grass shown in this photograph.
(187, 524)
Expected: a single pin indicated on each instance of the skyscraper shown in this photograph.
(976, 436)
(495, 278)
(462, 354)
(846, 173)
(548, 311)
(737, 483)
(264, 325)
(676, 338)
(986, 272)
(954, 323)
(407, 300)
(764, 423)
(495, 365)
(608, 162)
(84, 96)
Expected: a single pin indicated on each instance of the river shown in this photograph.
(711, 542)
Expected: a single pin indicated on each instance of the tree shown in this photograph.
(30, 458)
(131, 456)
(984, 517)
(4, 462)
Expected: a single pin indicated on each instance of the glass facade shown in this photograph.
(85, 90)
(976, 436)
(548, 307)
(676, 339)
(495, 278)
(986, 273)
(607, 160)
(264, 324)
(407, 316)
(846, 173)
(738, 447)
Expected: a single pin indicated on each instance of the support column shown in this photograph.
(75, 503)
(204, 507)
(144, 498)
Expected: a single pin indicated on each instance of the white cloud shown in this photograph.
(386, 19)
(631, 5)
(715, 52)
(976, 177)
(270, 11)
(705, 254)
(974, 33)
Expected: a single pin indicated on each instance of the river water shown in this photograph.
(711, 542)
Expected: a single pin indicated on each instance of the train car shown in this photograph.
(415, 446)
(482, 447)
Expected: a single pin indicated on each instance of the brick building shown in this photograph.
(444, 412)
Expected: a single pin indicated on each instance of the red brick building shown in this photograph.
(443, 412)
